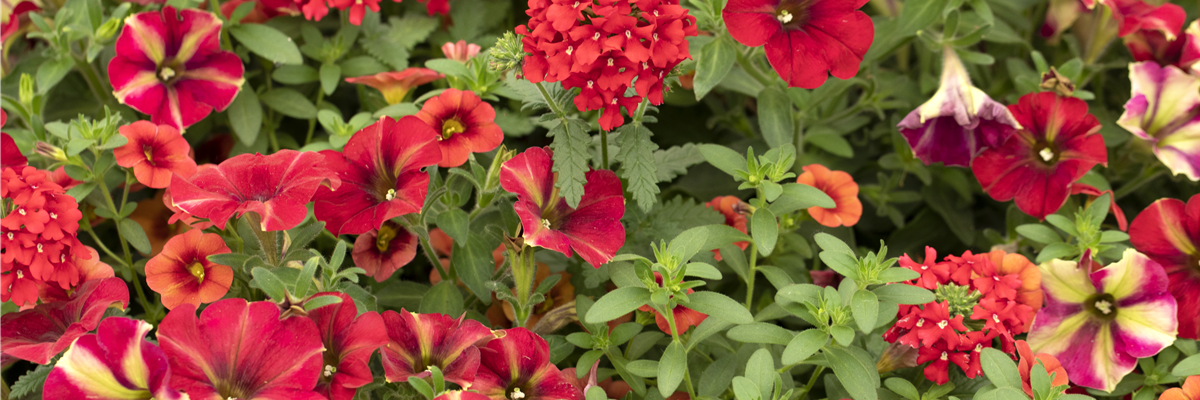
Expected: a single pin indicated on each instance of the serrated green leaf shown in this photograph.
(675, 161)
(638, 166)
(571, 155)
(31, 382)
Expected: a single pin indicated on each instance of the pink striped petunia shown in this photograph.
(117, 362)
(1168, 231)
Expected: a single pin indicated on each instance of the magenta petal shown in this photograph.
(751, 22)
(521, 361)
(594, 228)
(350, 340)
(117, 362)
(44, 331)
(417, 341)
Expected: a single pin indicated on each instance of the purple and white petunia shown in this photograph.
(1165, 110)
(1099, 323)
(958, 122)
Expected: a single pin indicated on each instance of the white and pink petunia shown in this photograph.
(1164, 109)
(170, 64)
(1099, 323)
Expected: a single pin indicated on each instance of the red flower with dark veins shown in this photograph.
(1168, 231)
(517, 366)
(10, 154)
(418, 341)
(1038, 164)
(381, 252)
(806, 40)
(350, 339)
(39, 333)
(464, 124)
(381, 170)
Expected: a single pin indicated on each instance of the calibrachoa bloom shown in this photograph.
(39, 333)
(462, 124)
(358, 8)
(460, 395)
(1189, 391)
(182, 273)
(593, 229)
(395, 85)
(1160, 112)
(436, 7)
(1169, 233)
(117, 362)
(349, 340)
(806, 41)
(1099, 323)
(1028, 360)
(684, 317)
(959, 120)
(734, 210)
(242, 350)
(517, 366)
(600, 47)
(1137, 16)
(381, 173)
(263, 10)
(418, 341)
(277, 187)
(840, 186)
(38, 241)
(154, 153)
(1057, 144)
(381, 252)
(460, 51)
(89, 269)
(170, 65)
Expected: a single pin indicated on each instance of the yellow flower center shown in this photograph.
(451, 127)
(166, 73)
(784, 16)
(384, 238)
(197, 271)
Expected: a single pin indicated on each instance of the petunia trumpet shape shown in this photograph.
(241, 350)
(806, 40)
(170, 65)
(1099, 323)
(396, 84)
(350, 340)
(154, 152)
(463, 123)
(277, 187)
(958, 122)
(182, 273)
(382, 252)
(517, 366)
(1164, 110)
(1168, 231)
(418, 341)
(39, 333)
(117, 362)
(593, 229)
(381, 173)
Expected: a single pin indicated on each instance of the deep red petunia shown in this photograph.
(154, 152)
(381, 170)
(182, 274)
(241, 350)
(10, 154)
(517, 366)
(418, 341)
(39, 333)
(1037, 165)
(1169, 233)
(350, 339)
(381, 252)
(170, 65)
(806, 40)
(593, 229)
(277, 187)
(463, 123)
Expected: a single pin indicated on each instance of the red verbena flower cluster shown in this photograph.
(978, 298)
(39, 243)
(600, 47)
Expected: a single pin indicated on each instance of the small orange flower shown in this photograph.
(381, 252)
(154, 153)
(182, 274)
(839, 186)
(396, 84)
(734, 211)
(1028, 360)
(1189, 391)
(1030, 292)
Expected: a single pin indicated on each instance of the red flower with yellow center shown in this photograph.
(384, 251)
(464, 124)
(182, 274)
(154, 152)
(418, 341)
(840, 186)
(517, 366)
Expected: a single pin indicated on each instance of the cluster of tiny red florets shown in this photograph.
(39, 240)
(601, 46)
(975, 304)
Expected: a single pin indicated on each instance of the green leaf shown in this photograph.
(289, 102)
(643, 368)
(267, 42)
(703, 270)
(1039, 233)
(900, 293)
(448, 67)
(715, 305)
(596, 393)
(760, 332)
(842, 334)
(717, 377)
(132, 232)
(421, 386)
(1188, 367)
(295, 74)
(865, 307)
(1056, 250)
(765, 230)
(454, 222)
(714, 62)
(798, 196)
(804, 345)
(269, 283)
(1004, 393)
(1000, 369)
(675, 161)
(856, 370)
(775, 117)
(831, 142)
(745, 389)
(405, 295)
(245, 115)
(571, 144)
(638, 166)
(443, 298)
(331, 75)
(760, 368)
(52, 72)
(723, 158)
(671, 367)
(903, 388)
(31, 382)
(831, 243)
(321, 301)
(474, 262)
(617, 303)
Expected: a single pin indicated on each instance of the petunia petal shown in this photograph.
(45, 330)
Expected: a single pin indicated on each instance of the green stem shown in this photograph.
(550, 101)
(128, 259)
(811, 381)
(88, 227)
(312, 123)
(432, 256)
(523, 273)
(747, 64)
(687, 379)
(750, 277)
(93, 80)
(1137, 183)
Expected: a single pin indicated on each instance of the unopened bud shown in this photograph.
(50, 151)
(26, 91)
(1056, 82)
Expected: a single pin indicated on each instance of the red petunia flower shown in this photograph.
(436, 7)
(806, 40)
(170, 65)
(115, 363)
(1037, 165)
(684, 317)
(463, 124)
(182, 274)
(734, 210)
(349, 340)
(154, 152)
(840, 186)
(396, 84)
(264, 10)
(242, 350)
(381, 171)
(10, 154)
(39, 333)
(517, 366)
(382, 252)
(593, 229)
(277, 187)
(1137, 15)
(418, 341)
(1168, 231)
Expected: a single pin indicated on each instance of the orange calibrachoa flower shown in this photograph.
(154, 152)
(734, 210)
(840, 186)
(1189, 391)
(1028, 360)
(1030, 291)
(182, 273)
(381, 252)
(394, 85)
(462, 124)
